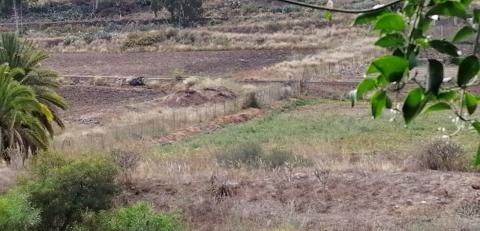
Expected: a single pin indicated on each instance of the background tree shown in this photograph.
(20, 112)
(182, 12)
(21, 54)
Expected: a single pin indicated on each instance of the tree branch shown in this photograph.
(346, 11)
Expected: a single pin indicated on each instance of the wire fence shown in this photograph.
(151, 127)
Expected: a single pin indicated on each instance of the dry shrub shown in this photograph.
(441, 154)
(469, 208)
(128, 162)
(251, 101)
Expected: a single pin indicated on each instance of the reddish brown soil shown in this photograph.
(91, 105)
(165, 63)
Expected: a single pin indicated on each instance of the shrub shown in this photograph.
(127, 161)
(69, 40)
(248, 9)
(16, 213)
(139, 39)
(103, 35)
(140, 216)
(246, 154)
(279, 158)
(88, 37)
(251, 101)
(252, 155)
(182, 12)
(65, 192)
(137, 217)
(46, 163)
(442, 154)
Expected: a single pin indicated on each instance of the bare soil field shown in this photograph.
(212, 63)
(91, 105)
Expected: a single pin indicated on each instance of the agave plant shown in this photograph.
(17, 53)
(20, 111)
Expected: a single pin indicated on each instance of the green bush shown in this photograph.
(65, 192)
(16, 213)
(252, 155)
(245, 154)
(279, 158)
(137, 217)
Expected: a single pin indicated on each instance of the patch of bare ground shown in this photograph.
(165, 63)
(306, 199)
(94, 105)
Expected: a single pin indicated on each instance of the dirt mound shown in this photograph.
(185, 98)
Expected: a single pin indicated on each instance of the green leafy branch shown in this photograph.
(404, 33)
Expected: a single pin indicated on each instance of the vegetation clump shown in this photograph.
(64, 192)
(252, 155)
(443, 155)
(139, 216)
(182, 12)
(75, 194)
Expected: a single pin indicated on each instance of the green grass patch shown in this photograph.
(327, 126)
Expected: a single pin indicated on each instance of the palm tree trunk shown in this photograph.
(17, 29)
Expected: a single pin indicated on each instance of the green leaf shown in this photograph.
(448, 8)
(365, 86)
(394, 40)
(476, 15)
(476, 125)
(328, 15)
(369, 17)
(393, 68)
(464, 34)
(422, 42)
(466, 3)
(414, 103)
(424, 24)
(438, 107)
(447, 95)
(378, 103)
(444, 47)
(471, 102)
(435, 76)
(389, 23)
(409, 9)
(468, 69)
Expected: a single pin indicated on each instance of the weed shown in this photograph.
(251, 154)
(245, 154)
(442, 154)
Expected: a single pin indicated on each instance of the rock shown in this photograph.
(139, 81)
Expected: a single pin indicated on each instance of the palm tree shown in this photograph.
(17, 53)
(20, 126)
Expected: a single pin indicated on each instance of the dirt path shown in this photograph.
(214, 63)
